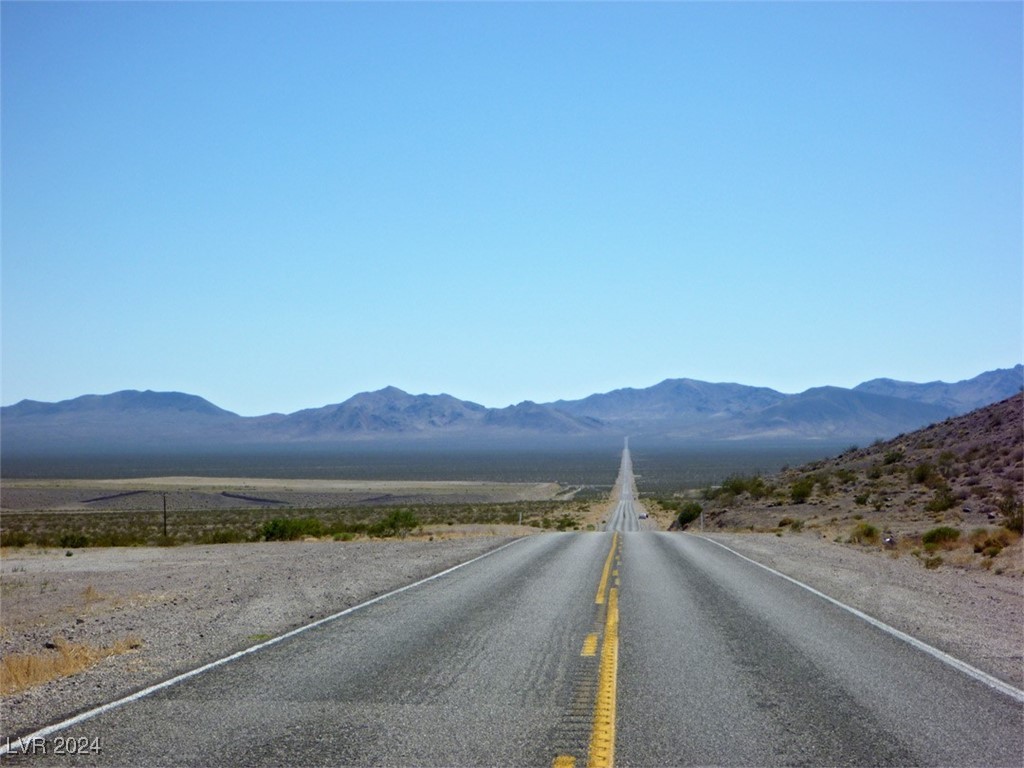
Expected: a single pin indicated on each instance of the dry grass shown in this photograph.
(27, 670)
(91, 595)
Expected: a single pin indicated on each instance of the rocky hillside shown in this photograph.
(949, 494)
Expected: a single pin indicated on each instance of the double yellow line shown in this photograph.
(602, 735)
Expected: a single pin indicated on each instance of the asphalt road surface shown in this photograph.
(562, 649)
(625, 517)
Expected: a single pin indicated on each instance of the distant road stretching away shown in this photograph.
(572, 649)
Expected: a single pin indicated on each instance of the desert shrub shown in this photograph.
(861, 499)
(932, 563)
(991, 543)
(941, 536)
(688, 512)
(222, 536)
(893, 457)
(1010, 507)
(864, 533)
(400, 521)
(801, 490)
(122, 538)
(796, 526)
(946, 461)
(14, 538)
(846, 476)
(922, 473)
(73, 540)
(824, 482)
(942, 500)
(566, 522)
(736, 485)
(291, 528)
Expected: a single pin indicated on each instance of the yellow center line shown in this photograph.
(590, 645)
(602, 737)
(603, 586)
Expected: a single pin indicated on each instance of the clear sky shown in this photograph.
(276, 206)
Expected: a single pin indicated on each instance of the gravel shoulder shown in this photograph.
(192, 604)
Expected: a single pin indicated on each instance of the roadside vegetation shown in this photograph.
(72, 531)
(19, 671)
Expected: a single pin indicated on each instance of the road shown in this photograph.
(625, 516)
(562, 649)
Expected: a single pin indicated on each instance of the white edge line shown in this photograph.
(23, 741)
(963, 666)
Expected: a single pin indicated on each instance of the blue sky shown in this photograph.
(276, 206)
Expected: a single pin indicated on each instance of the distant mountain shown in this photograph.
(961, 397)
(389, 410)
(684, 408)
(171, 419)
(672, 403)
(126, 417)
(126, 401)
(674, 408)
(835, 412)
(540, 418)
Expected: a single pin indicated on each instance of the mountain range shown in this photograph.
(676, 409)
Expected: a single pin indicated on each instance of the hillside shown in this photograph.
(965, 473)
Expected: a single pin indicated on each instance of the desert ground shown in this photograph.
(195, 493)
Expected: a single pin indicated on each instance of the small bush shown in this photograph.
(401, 521)
(223, 536)
(864, 533)
(893, 457)
(566, 522)
(73, 541)
(689, 512)
(922, 473)
(944, 535)
(14, 539)
(1012, 510)
(290, 528)
(846, 476)
(942, 500)
(735, 485)
(801, 490)
(991, 543)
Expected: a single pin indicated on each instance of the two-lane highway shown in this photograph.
(572, 649)
(625, 517)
